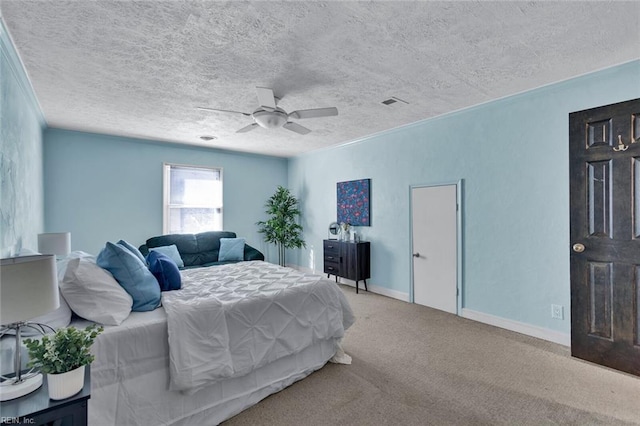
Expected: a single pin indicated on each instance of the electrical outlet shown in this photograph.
(557, 312)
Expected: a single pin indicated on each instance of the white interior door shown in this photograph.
(435, 246)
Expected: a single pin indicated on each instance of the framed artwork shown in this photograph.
(354, 202)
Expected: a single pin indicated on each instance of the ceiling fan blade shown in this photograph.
(248, 128)
(314, 113)
(266, 99)
(295, 127)
(223, 110)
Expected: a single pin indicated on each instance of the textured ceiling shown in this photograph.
(140, 68)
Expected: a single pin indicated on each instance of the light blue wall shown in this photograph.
(21, 181)
(104, 188)
(513, 157)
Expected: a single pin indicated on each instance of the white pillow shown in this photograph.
(61, 264)
(93, 293)
(7, 353)
(61, 317)
(27, 252)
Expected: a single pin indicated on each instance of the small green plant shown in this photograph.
(281, 227)
(66, 350)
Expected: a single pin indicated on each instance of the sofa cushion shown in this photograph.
(231, 249)
(172, 252)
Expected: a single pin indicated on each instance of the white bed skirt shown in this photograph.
(129, 383)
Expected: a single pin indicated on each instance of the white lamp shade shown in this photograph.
(28, 288)
(58, 243)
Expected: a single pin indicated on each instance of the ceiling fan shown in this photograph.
(270, 116)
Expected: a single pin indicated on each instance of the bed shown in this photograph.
(231, 336)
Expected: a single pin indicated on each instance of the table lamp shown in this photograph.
(57, 243)
(28, 289)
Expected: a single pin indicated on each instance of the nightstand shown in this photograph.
(37, 409)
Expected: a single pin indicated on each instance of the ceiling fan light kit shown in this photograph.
(270, 116)
(270, 119)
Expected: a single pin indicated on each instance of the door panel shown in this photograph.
(600, 292)
(605, 211)
(636, 198)
(636, 297)
(599, 198)
(434, 233)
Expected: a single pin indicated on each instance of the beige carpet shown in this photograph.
(418, 366)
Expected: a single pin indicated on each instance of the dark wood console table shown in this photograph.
(348, 260)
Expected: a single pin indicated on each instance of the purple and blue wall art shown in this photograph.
(354, 202)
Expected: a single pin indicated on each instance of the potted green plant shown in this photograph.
(62, 356)
(281, 228)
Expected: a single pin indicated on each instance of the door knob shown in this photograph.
(416, 254)
(578, 248)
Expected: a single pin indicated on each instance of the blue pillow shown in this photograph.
(172, 252)
(132, 274)
(165, 270)
(231, 249)
(132, 249)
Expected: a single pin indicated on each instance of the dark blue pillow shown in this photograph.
(165, 270)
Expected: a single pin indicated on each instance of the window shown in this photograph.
(192, 199)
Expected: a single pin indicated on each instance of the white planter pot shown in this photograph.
(64, 385)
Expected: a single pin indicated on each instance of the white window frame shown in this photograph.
(166, 184)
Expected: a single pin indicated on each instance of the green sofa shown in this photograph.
(197, 250)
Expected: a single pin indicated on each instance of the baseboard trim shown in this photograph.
(519, 327)
(383, 291)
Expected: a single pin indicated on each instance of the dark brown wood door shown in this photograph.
(604, 157)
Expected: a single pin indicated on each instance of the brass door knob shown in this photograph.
(578, 248)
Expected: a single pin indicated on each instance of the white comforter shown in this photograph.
(227, 320)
